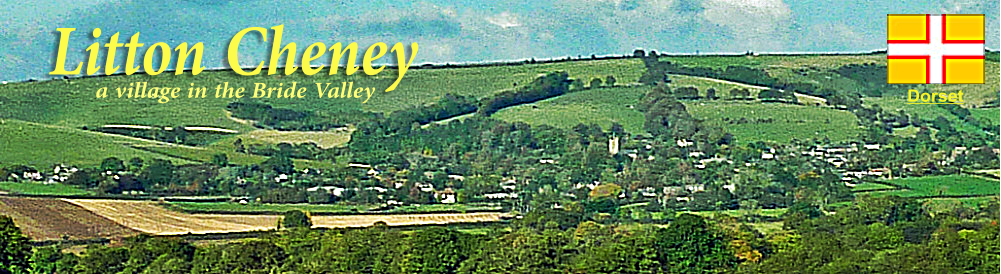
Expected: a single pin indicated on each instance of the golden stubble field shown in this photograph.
(149, 217)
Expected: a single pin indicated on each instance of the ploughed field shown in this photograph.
(50, 219)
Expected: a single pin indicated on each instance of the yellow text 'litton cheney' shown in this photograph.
(311, 53)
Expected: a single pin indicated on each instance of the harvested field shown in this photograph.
(323, 139)
(151, 218)
(50, 219)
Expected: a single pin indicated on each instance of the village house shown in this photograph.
(446, 196)
(332, 190)
(648, 192)
(425, 187)
(281, 178)
(509, 185)
(695, 187)
(359, 165)
(685, 143)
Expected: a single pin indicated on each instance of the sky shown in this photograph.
(464, 30)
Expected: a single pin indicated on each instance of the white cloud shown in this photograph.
(758, 25)
(504, 20)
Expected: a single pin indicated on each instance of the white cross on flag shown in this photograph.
(935, 49)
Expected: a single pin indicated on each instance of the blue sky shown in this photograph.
(466, 30)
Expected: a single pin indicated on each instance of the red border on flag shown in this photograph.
(927, 31)
(954, 57)
(945, 39)
(927, 59)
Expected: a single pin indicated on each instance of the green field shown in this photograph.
(931, 112)
(942, 185)
(987, 114)
(607, 105)
(42, 146)
(871, 186)
(204, 155)
(257, 207)
(788, 121)
(602, 106)
(815, 69)
(41, 189)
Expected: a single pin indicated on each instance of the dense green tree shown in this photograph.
(629, 252)
(522, 251)
(438, 250)
(220, 159)
(296, 219)
(15, 251)
(255, 256)
(689, 246)
(50, 260)
(168, 265)
(112, 164)
(144, 251)
(279, 164)
(595, 83)
(371, 250)
(102, 259)
(83, 178)
(158, 172)
(135, 164)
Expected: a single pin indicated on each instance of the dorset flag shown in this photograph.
(935, 49)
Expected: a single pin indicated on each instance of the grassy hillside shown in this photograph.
(602, 106)
(41, 146)
(72, 102)
(607, 105)
(787, 121)
(41, 189)
(931, 112)
(987, 114)
(40, 114)
(776, 61)
(44, 145)
(816, 69)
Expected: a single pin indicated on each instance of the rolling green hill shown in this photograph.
(44, 145)
(72, 102)
(41, 145)
(57, 109)
(602, 106)
(816, 69)
(776, 122)
(607, 105)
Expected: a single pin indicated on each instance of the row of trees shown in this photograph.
(550, 85)
(689, 244)
(266, 116)
(872, 235)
